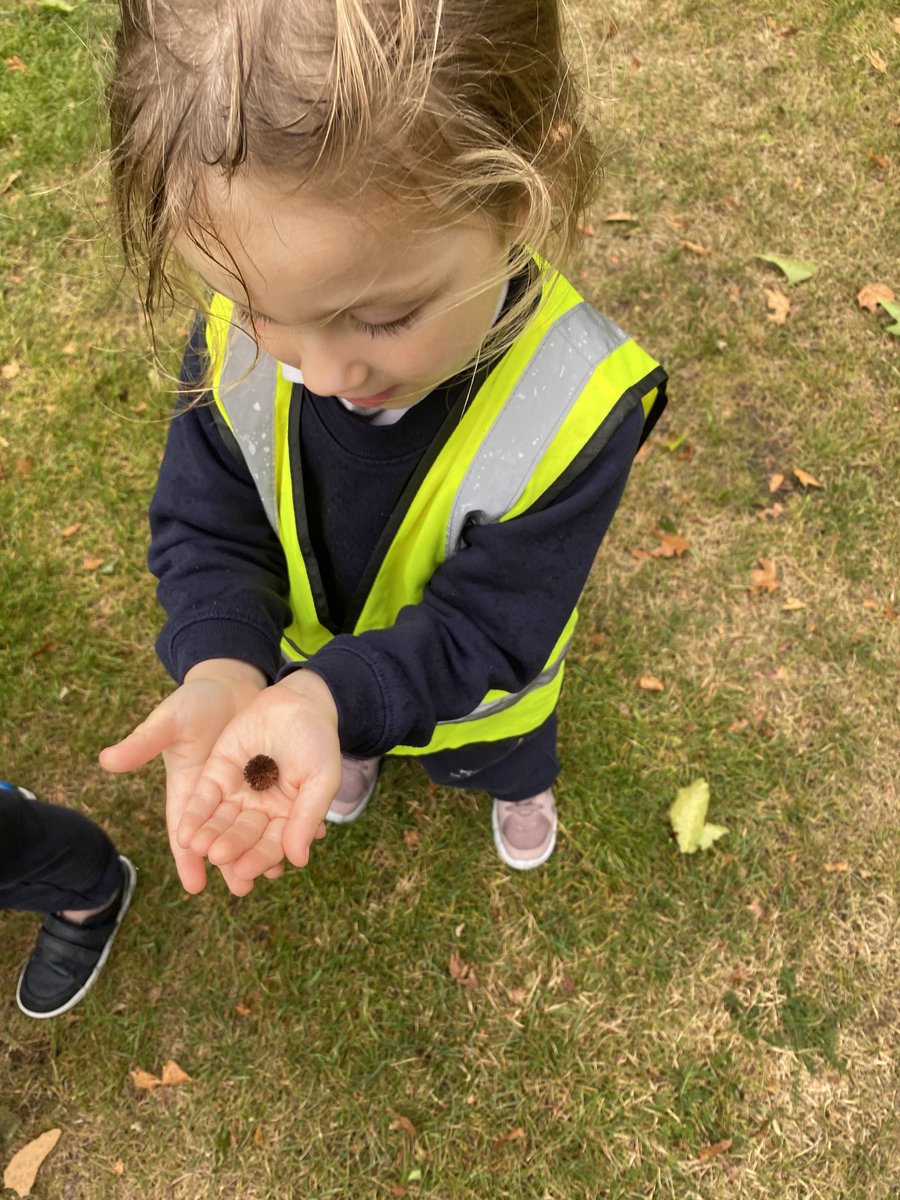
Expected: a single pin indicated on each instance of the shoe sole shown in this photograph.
(518, 864)
(129, 882)
(349, 818)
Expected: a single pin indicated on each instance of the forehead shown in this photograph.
(285, 245)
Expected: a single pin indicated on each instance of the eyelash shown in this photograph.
(389, 329)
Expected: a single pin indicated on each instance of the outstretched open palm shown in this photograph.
(250, 832)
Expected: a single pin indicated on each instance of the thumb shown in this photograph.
(306, 817)
(150, 738)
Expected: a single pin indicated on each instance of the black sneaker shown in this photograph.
(67, 958)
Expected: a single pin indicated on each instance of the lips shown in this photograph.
(376, 400)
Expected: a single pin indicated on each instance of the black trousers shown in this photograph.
(52, 858)
(512, 769)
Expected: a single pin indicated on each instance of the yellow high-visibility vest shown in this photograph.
(546, 407)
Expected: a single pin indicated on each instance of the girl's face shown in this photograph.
(368, 305)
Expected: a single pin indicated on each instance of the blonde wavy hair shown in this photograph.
(448, 107)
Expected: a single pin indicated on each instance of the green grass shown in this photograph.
(633, 1007)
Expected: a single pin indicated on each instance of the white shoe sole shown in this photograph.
(518, 864)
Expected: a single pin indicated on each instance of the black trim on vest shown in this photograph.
(310, 561)
(617, 414)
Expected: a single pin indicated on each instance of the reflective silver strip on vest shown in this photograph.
(543, 397)
(490, 707)
(247, 393)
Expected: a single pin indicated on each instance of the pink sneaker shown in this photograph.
(358, 779)
(525, 830)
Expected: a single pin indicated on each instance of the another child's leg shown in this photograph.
(57, 861)
(519, 774)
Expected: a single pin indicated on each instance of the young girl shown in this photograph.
(371, 535)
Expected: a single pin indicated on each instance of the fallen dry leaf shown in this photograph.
(24, 466)
(91, 564)
(24, 1165)
(404, 1125)
(624, 218)
(878, 61)
(880, 160)
(411, 838)
(772, 513)
(872, 294)
(462, 972)
(806, 479)
(715, 1150)
(837, 868)
(513, 1136)
(778, 305)
(755, 908)
(242, 1009)
(9, 370)
(143, 1080)
(775, 482)
(70, 529)
(173, 1074)
(792, 604)
(119, 1167)
(70, 348)
(649, 683)
(763, 577)
(671, 545)
(695, 248)
(15, 63)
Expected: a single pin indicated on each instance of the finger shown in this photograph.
(150, 738)
(310, 807)
(191, 869)
(275, 872)
(241, 835)
(265, 855)
(321, 831)
(237, 887)
(205, 804)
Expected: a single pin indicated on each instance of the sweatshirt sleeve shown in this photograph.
(489, 617)
(221, 570)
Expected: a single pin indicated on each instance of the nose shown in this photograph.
(329, 368)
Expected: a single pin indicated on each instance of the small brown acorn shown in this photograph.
(261, 772)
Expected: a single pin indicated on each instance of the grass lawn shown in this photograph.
(636, 1023)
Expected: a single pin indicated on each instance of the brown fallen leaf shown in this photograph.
(880, 160)
(462, 972)
(15, 63)
(778, 305)
(792, 604)
(411, 838)
(772, 513)
(91, 564)
(9, 370)
(872, 294)
(172, 1074)
(836, 868)
(755, 908)
(70, 529)
(806, 479)
(242, 1009)
(714, 1150)
(514, 1135)
(878, 61)
(695, 248)
(24, 466)
(24, 1165)
(70, 348)
(671, 545)
(404, 1125)
(775, 481)
(119, 1167)
(621, 218)
(143, 1080)
(649, 683)
(763, 577)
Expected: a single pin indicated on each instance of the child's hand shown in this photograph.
(247, 832)
(184, 728)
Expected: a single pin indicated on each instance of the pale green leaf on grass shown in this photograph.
(688, 817)
(795, 269)
(892, 308)
(60, 6)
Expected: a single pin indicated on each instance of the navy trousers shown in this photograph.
(52, 858)
(511, 769)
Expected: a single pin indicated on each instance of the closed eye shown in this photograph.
(246, 317)
(389, 328)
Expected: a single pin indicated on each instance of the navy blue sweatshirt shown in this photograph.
(489, 617)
